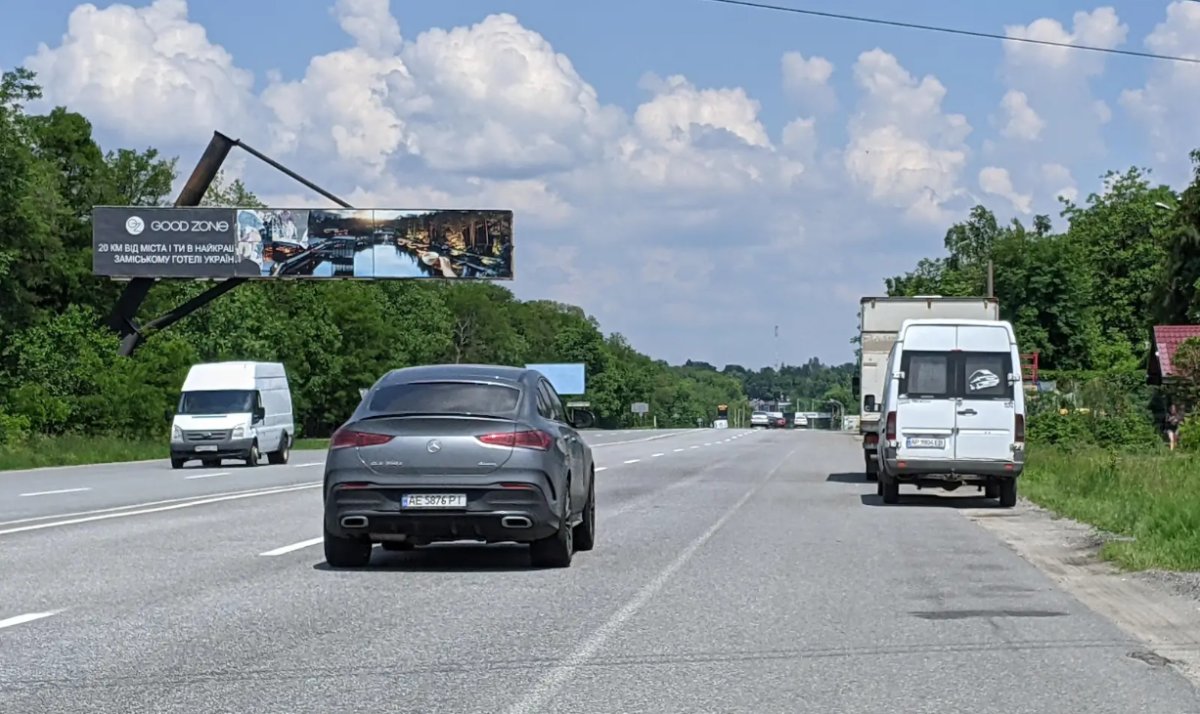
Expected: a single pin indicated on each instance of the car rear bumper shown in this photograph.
(491, 514)
(227, 449)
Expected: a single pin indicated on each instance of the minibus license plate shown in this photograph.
(210, 447)
(925, 443)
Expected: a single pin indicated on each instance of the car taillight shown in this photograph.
(531, 439)
(1019, 429)
(871, 439)
(343, 438)
(890, 429)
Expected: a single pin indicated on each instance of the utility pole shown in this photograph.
(991, 292)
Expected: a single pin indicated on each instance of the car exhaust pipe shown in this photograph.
(354, 521)
(515, 522)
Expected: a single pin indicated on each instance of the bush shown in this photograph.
(1076, 429)
(1189, 434)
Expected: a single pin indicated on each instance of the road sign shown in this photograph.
(640, 407)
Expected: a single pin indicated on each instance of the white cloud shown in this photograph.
(903, 148)
(806, 81)
(1169, 103)
(1058, 180)
(149, 72)
(1021, 121)
(997, 182)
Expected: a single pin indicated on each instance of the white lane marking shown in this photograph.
(159, 509)
(708, 443)
(27, 617)
(657, 455)
(313, 463)
(52, 493)
(559, 673)
(632, 461)
(206, 475)
(601, 468)
(635, 441)
(678, 450)
(695, 446)
(294, 546)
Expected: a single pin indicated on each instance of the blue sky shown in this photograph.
(684, 217)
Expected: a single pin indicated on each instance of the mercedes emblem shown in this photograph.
(434, 446)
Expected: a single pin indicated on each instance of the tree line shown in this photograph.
(59, 367)
(1085, 295)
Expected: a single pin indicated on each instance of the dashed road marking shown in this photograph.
(207, 475)
(282, 550)
(27, 617)
(53, 493)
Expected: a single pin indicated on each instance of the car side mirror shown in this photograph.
(869, 403)
(582, 419)
(855, 385)
(259, 413)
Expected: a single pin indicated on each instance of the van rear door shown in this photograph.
(986, 413)
(926, 403)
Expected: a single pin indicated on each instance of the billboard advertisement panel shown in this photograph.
(567, 379)
(215, 243)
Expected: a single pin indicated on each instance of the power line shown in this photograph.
(955, 31)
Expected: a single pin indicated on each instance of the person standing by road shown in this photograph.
(1173, 422)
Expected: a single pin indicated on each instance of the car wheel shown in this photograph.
(1008, 493)
(346, 552)
(555, 551)
(891, 490)
(585, 533)
(284, 453)
(253, 457)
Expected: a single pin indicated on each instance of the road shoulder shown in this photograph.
(1149, 606)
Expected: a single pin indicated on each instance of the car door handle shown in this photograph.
(967, 412)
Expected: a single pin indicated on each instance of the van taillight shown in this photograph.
(890, 431)
(1019, 429)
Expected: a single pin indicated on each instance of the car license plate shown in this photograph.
(209, 447)
(433, 500)
(926, 443)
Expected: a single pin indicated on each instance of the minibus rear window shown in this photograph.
(985, 375)
(926, 375)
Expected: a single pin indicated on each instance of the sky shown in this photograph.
(692, 174)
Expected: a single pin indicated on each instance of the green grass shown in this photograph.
(1154, 499)
(75, 450)
(72, 450)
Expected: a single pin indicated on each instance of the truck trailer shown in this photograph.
(880, 319)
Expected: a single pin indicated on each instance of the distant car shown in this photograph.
(759, 420)
(460, 452)
(776, 420)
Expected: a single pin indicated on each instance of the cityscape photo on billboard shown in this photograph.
(161, 242)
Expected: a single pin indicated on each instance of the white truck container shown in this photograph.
(880, 321)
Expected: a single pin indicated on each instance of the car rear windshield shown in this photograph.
(444, 398)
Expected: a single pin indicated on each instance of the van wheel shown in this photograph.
(253, 457)
(1008, 493)
(176, 463)
(991, 490)
(284, 453)
(891, 490)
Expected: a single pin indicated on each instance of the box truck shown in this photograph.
(880, 319)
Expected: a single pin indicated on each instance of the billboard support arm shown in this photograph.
(123, 318)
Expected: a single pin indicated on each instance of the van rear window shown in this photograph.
(985, 375)
(926, 374)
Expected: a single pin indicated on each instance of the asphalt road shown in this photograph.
(734, 572)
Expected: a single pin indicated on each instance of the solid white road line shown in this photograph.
(293, 547)
(207, 475)
(51, 493)
(28, 617)
(558, 675)
(173, 507)
(632, 461)
(313, 463)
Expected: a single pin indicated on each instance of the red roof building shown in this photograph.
(1166, 339)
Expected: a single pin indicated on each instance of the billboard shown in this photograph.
(567, 379)
(215, 243)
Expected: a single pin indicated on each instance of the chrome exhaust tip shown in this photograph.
(354, 521)
(515, 522)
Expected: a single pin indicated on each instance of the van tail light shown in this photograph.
(871, 439)
(343, 438)
(1019, 429)
(890, 429)
(531, 439)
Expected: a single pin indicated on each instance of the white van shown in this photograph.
(955, 409)
(233, 410)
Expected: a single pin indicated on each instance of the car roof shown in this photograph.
(488, 372)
